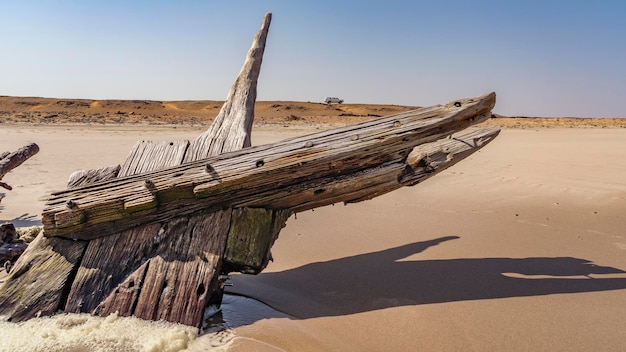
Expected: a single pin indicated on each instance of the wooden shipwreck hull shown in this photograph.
(152, 236)
(345, 164)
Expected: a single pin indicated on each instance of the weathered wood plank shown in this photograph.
(179, 281)
(149, 156)
(427, 160)
(106, 264)
(373, 182)
(225, 180)
(37, 283)
(112, 274)
(158, 271)
(83, 177)
(251, 236)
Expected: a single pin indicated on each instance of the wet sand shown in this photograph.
(520, 247)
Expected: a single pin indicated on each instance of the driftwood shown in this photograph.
(152, 236)
(9, 161)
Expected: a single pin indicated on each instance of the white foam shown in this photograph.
(83, 332)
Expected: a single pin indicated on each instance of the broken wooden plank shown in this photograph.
(149, 156)
(10, 161)
(83, 177)
(239, 178)
(230, 130)
(145, 272)
(424, 161)
(37, 282)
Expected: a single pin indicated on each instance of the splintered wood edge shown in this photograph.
(429, 159)
(423, 162)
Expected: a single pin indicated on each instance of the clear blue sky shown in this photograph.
(543, 58)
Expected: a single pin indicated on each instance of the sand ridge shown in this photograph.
(190, 112)
(34, 110)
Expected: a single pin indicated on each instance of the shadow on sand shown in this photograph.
(380, 280)
(24, 220)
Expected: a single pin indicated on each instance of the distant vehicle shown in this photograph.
(333, 100)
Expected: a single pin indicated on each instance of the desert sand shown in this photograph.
(520, 247)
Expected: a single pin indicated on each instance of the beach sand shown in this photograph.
(520, 247)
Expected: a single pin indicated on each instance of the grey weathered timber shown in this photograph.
(423, 162)
(148, 156)
(37, 283)
(252, 177)
(83, 177)
(157, 271)
(10, 161)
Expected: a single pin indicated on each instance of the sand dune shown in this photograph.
(35, 110)
(197, 112)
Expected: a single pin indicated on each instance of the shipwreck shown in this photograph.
(154, 236)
